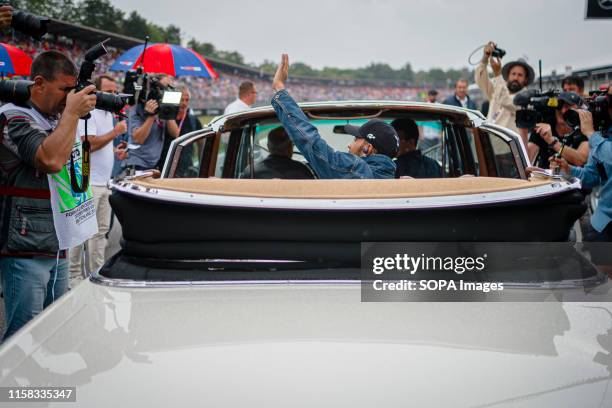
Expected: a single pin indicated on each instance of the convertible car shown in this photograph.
(205, 203)
(236, 292)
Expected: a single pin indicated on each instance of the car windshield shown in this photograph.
(430, 133)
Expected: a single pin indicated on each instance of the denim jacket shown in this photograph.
(325, 161)
(600, 152)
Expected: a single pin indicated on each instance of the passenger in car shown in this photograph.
(370, 154)
(410, 162)
(279, 164)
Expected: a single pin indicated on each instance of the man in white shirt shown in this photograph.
(508, 80)
(247, 95)
(100, 132)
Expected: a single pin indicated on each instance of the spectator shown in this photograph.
(101, 132)
(410, 162)
(6, 16)
(500, 91)
(460, 97)
(247, 95)
(369, 156)
(34, 272)
(279, 164)
(573, 83)
(432, 96)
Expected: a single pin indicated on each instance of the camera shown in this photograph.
(535, 107)
(15, 91)
(104, 100)
(498, 53)
(148, 87)
(598, 104)
(27, 23)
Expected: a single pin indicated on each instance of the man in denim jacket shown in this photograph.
(369, 156)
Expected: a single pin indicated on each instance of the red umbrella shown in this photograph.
(165, 58)
(14, 61)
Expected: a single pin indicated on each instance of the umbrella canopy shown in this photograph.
(167, 59)
(13, 61)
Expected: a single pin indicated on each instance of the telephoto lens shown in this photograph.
(15, 91)
(110, 102)
(29, 24)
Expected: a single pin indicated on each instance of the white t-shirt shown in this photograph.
(463, 101)
(237, 106)
(100, 123)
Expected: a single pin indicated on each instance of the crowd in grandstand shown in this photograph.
(215, 94)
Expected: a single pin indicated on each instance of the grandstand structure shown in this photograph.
(211, 96)
(593, 77)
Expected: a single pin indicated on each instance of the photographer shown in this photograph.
(146, 132)
(36, 141)
(556, 137)
(184, 123)
(597, 171)
(101, 132)
(499, 91)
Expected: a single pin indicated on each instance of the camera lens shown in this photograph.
(17, 92)
(109, 102)
(572, 118)
(29, 24)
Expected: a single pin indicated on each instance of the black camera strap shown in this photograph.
(85, 167)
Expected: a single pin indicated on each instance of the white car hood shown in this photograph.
(281, 345)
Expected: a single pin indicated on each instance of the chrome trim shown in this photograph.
(442, 201)
(176, 142)
(507, 135)
(125, 283)
(475, 116)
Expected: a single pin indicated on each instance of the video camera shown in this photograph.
(146, 87)
(535, 107)
(598, 104)
(27, 23)
(104, 100)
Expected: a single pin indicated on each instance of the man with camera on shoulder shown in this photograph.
(598, 169)
(499, 91)
(555, 137)
(145, 130)
(38, 139)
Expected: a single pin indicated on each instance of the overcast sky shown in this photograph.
(353, 33)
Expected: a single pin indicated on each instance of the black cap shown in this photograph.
(379, 134)
(570, 98)
(432, 92)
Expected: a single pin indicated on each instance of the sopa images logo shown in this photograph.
(605, 4)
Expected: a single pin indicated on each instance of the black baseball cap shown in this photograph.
(379, 134)
(570, 98)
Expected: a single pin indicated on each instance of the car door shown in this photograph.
(501, 152)
(192, 155)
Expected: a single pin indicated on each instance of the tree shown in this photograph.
(136, 26)
(101, 14)
(172, 34)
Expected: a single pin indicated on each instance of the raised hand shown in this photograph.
(281, 75)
